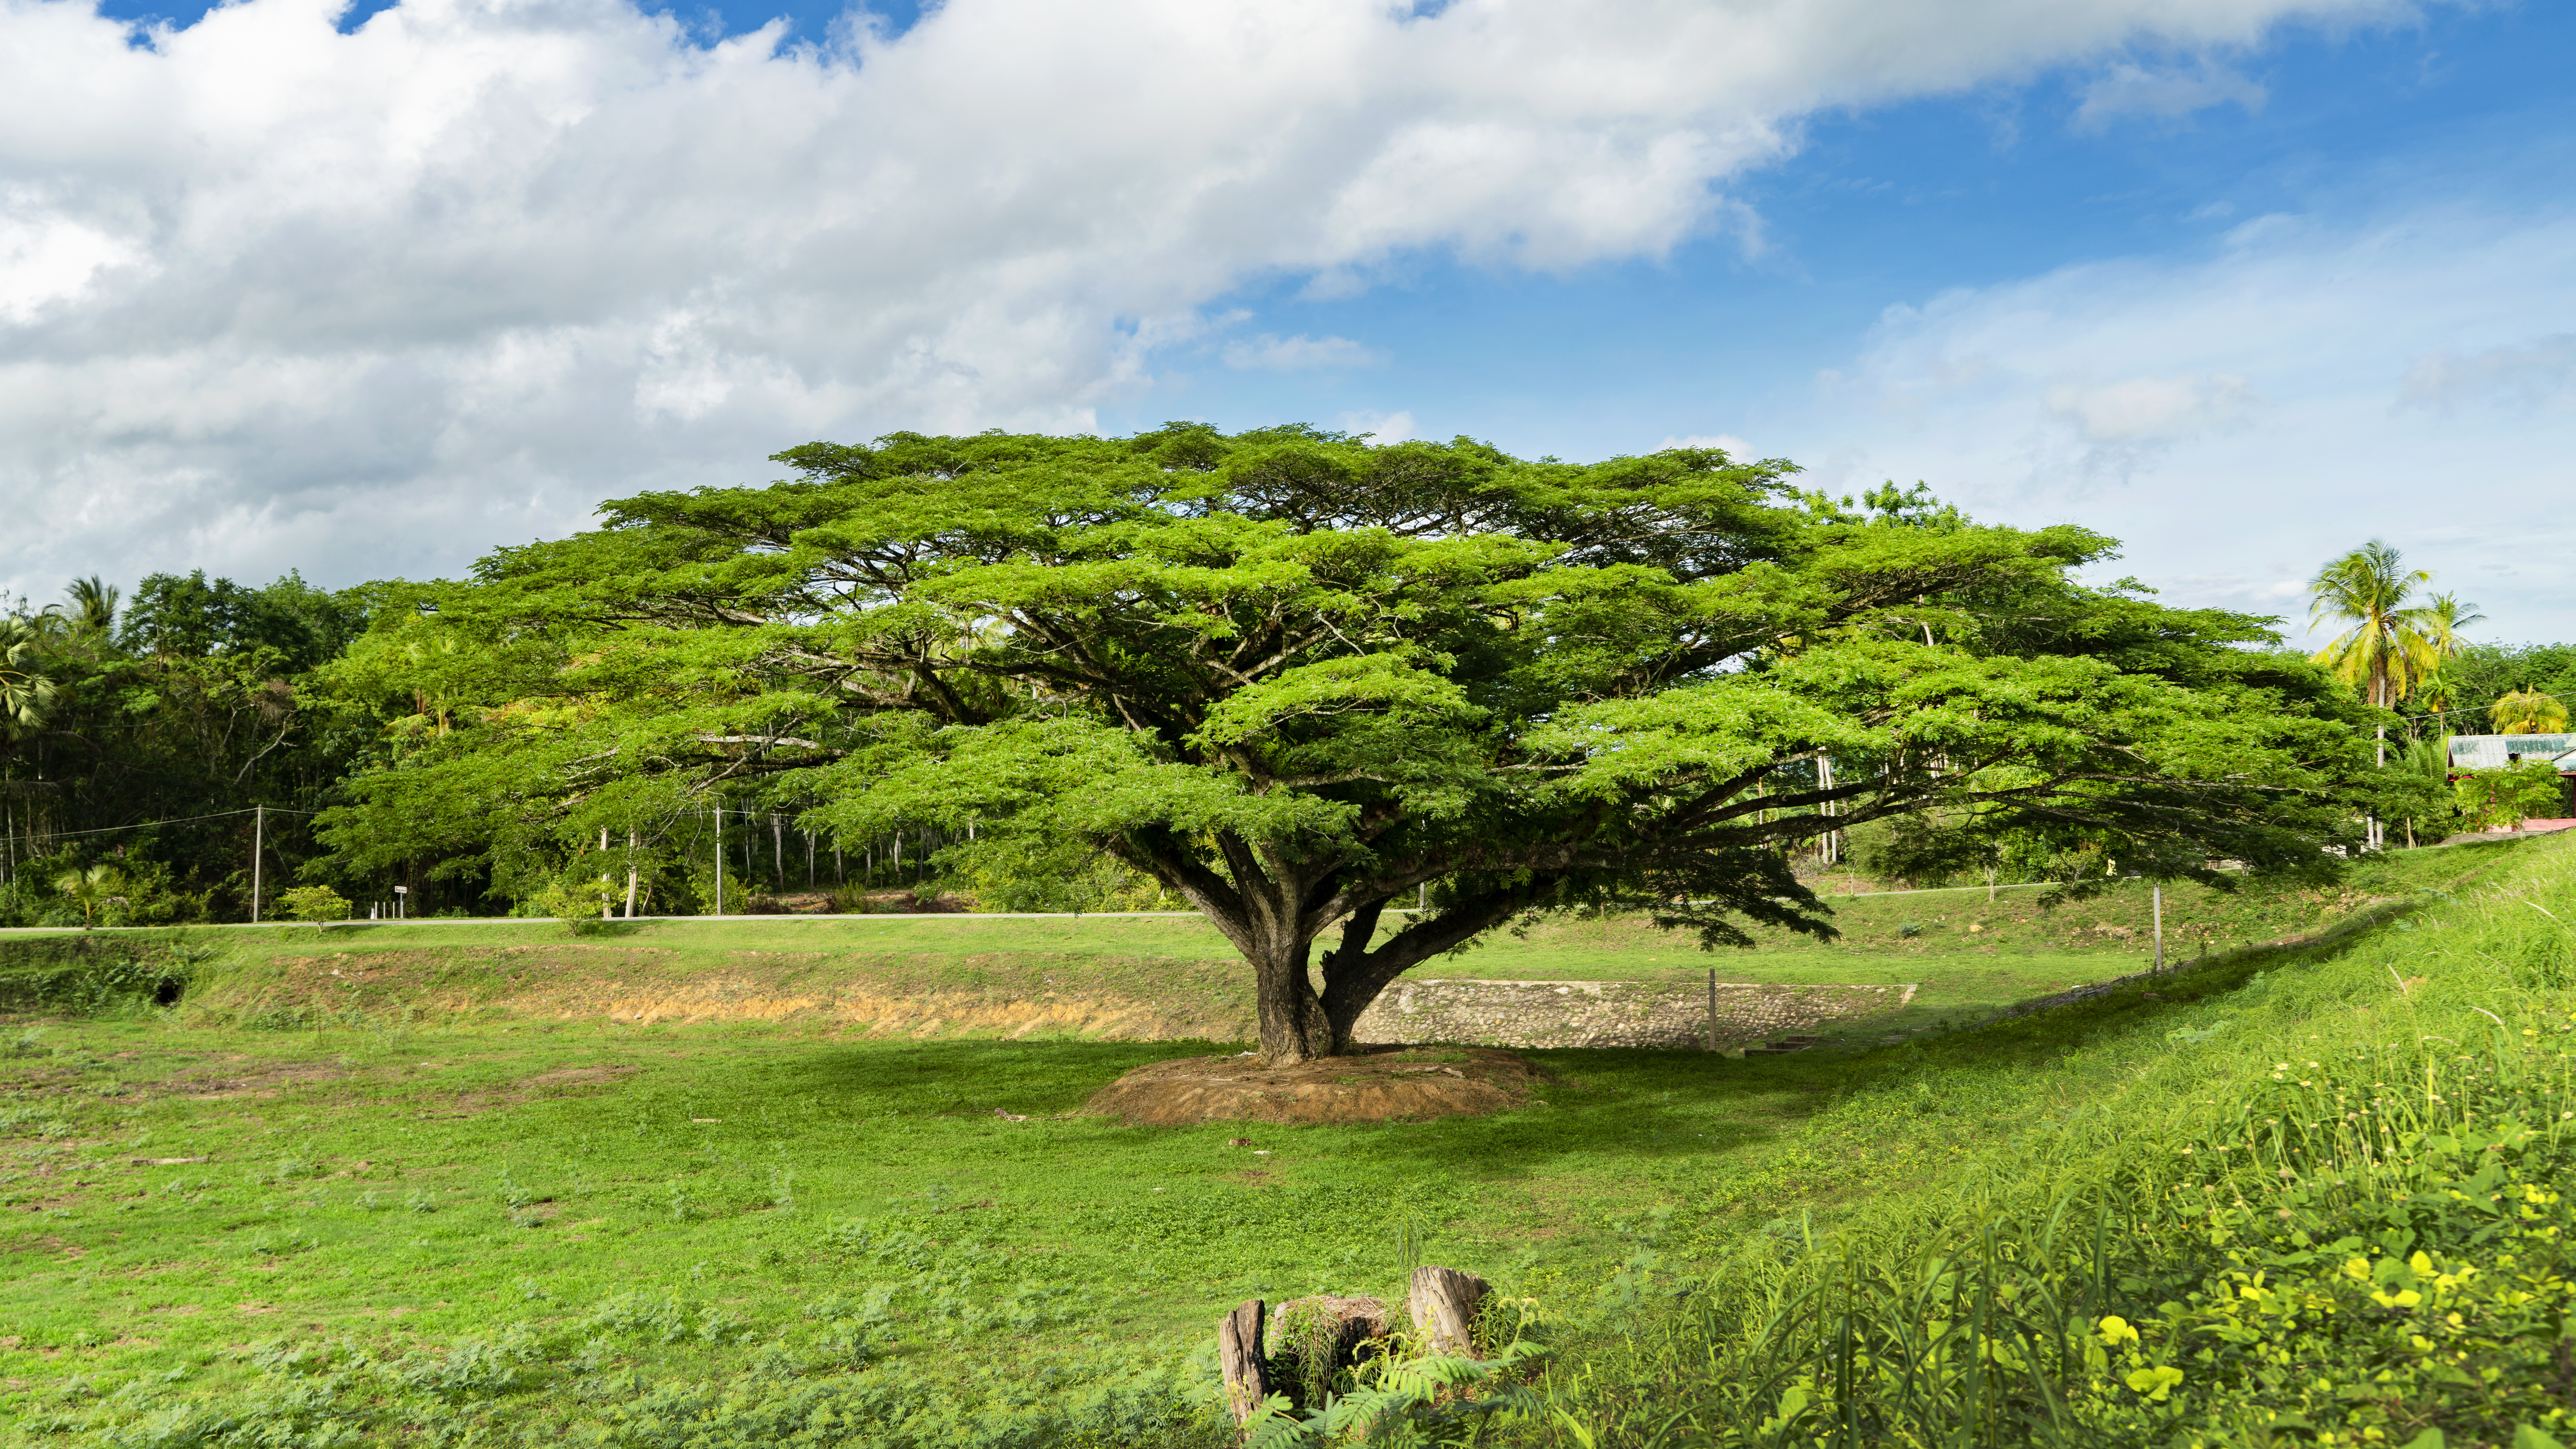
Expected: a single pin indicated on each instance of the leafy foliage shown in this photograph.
(189, 710)
(2527, 712)
(1291, 677)
(2510, 795)
(2482, 674)
(314, 904)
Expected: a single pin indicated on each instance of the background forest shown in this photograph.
(152, 744)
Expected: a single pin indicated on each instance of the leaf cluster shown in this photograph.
(1291, 675)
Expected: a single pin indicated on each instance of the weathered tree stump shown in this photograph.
(1444, 1303)
(1238, 1352)
(1313, 1339)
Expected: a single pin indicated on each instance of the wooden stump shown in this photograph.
(1238, 1352)
(1444, 1303)
(1313, 1339)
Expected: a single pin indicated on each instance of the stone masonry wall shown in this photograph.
(1610, 1013)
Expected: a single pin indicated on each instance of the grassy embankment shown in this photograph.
(1121, 977)
(2313, 1195)
(444, 1204)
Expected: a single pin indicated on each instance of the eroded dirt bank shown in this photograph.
(1002, 996)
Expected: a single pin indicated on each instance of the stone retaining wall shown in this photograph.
(1611, 1013)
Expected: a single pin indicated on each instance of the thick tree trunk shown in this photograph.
(1272, 909)
(1294, 1027)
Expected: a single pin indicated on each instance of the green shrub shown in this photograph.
(578, 902)
(314, 904)
(2509, 796)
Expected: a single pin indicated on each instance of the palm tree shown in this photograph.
(2437, 687)
(2525, 712)
(26, 691)
(90, 889)
(2387, 643)
(93, 604)
(2450, 616)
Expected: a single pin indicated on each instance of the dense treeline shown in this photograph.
(2480, 675)
(186, 705)
(151, 746)
(155, 750)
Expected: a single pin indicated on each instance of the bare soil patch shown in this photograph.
(261, 1080)
(878, 996)
(564, 1082)
(1381, 1084)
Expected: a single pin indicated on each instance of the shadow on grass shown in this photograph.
(1627, 1104)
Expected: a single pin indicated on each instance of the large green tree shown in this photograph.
(1299, 679)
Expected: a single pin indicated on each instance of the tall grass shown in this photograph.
(2325, 1207)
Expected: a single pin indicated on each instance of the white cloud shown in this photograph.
(1384, 427)
(2153, 410)
(1301, 351)
(2531, 374)
(271, 294)
(2238, 420)
(2166, 93)
(1731, 445)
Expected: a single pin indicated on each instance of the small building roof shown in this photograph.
(2494, 752)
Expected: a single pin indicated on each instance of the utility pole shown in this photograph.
(1828, 847)
(258, 838)
(719, 860)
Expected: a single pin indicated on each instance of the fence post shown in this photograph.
(1712, 1008)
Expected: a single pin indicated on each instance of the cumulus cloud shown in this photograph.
(2240, 419)
(273, 294)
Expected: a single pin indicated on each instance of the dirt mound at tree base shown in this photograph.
(1380, 1084)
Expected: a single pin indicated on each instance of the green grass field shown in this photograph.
(447, 1193)
(748, 1192)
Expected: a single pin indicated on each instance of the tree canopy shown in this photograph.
(1300, 680)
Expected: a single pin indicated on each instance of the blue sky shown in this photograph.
(2240, 284)
(1893, 205)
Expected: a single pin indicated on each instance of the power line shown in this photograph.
(176, 820)
(2483, 708)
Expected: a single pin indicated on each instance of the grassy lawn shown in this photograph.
(449, 1172)
(694, 1198)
